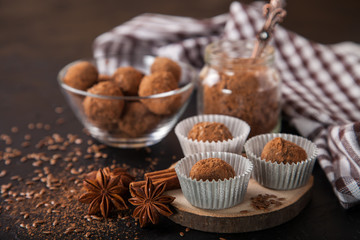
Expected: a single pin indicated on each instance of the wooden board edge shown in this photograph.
(244, 223)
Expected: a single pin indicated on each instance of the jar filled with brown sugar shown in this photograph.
(232, 83)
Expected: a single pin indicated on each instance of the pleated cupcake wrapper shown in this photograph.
(214, 194)
(280, 176)
(238, 128)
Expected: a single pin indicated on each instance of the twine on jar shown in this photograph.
(274, 13)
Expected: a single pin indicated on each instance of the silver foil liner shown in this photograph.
(214, 194)
(238, 128)
(280, 176)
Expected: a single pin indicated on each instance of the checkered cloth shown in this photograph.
(321, 83)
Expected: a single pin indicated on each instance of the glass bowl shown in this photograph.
(137, 127)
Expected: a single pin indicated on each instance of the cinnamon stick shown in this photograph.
(168, 175)
(160, 176)
(159, 172)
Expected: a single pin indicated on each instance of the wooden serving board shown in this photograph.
(243, 217)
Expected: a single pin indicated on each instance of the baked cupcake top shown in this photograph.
(212, 169)
(282, 151)
(209, 131)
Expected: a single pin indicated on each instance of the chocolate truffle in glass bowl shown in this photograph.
(123, 109)
(81, 75)
(104, 77)
(156, 83)
(104, 112)
(137, 119)
(162, 64)
(128, 79)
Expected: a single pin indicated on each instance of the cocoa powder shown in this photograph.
(248, 95)
(266, 201)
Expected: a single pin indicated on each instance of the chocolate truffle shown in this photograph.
(137, 119)
(212, 169)
(128, 79)
(209, 131)
(104, 77)
(160, 82)
(104, 111)
(163, 64)
(282, 151)
(81, 75)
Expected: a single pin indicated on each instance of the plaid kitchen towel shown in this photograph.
(321, 83)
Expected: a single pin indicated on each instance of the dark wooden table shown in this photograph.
(38, 37)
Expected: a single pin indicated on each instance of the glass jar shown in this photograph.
(232, 83)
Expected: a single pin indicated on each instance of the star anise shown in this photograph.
(103, 193)
(125, 177)
(150, 203)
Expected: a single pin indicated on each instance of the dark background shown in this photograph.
(37, 38)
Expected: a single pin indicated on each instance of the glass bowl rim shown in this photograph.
(180, 90)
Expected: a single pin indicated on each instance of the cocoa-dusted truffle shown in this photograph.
(104, 111)
(137, 119)
(81, 75)
(212, 169)
(282, 151)
(128, 79)
(155, 83)
(163, 64)
(104, 77)
(209, 131)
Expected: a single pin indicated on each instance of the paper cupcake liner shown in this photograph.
(215, 194)
(238, 128)
(280, 176)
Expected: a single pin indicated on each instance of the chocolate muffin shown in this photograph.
(160, 82)
(282, 151)
(81, 75)
(163, 64)
(137, 120)
(104, 112)
(209, 131)
(212, 169)
(128, 79)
